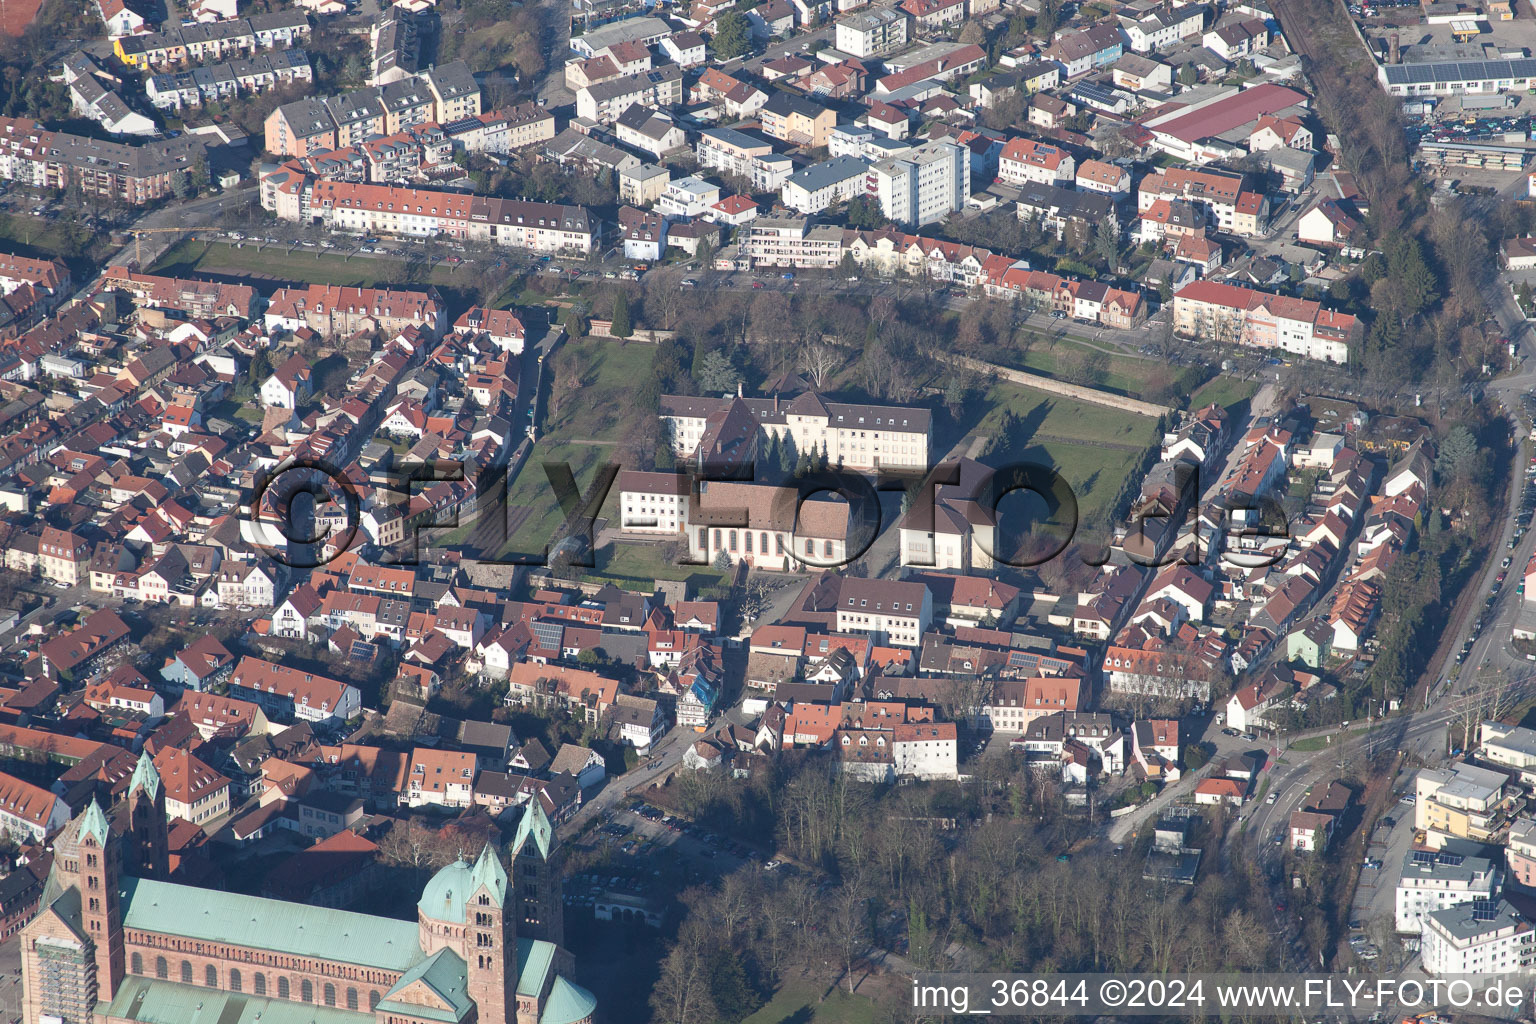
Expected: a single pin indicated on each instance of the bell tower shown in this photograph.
(146, 821)
(536, 877)
(490, 942)
(100, 914)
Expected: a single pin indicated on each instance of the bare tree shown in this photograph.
(819, 360)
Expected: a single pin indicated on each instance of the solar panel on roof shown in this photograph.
(1424, 856)
(1451, 859)
(1485, 910)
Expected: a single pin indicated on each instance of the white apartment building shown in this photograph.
(789, 241)
(688, 197)
(894, 612)
(1025, 161)
(1460, 802)
(858, 437)
(1163, 27)
(926, 750)
(658, 88)
(1510, 746)
(28, 812)
(872, 33)
(923, 187)
(1436, 880)
(653, 503)
(819, 186)
(733, 152)
(1486, 937)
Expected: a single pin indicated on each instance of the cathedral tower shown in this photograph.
(536, 877)
(490, 942)
(100, 916)
(147, 826)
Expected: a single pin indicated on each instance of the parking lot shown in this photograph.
(1372, 915)
(644, 846)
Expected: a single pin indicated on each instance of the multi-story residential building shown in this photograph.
(223, 81)
(358, 208)
(643, 185)
(286, 693)
(330, 310)
(934, 15)
(198, 299)
(872, 33)
(1027, 161)
(1221, 195)
(62, 556)
(749, 156)
(1162, 27)
(1460, 802)
(923, 186)
(193, 791)
(1435, 880)
(790, 241)
(575, 690)
(857, 437)
(895, 612)
(826, 184)
(28, 813)
(440, 778)
(1520, 854)
(605, 101)
(32, 155)
(501, 131)
(796, 120)
(925, 750)
(300, 128)
(1242, 316)
(1488, 937)
(445, 95)
(1079, 52)
(200, 43)
(1102, 176)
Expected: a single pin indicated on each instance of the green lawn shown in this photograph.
(1066, 417)
(309, 266)
(1093, 447)
(1224, 391)
(796, 1004)
(601, 410)
(1314, 743)
(647, 562)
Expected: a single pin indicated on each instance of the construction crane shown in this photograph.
(138, 233)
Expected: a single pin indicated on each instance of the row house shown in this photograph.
(1088, 300)
(224, 81)
(1235, 315)
(362, 209)
(200, 43)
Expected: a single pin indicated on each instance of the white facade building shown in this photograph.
(924, 186)
(1436, 880)
(1487, 937)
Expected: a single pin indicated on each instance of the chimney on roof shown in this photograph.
(1394, 56)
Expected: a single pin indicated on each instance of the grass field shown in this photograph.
(1094, 448)
(1224, 391)
(1315, 743)
(309, 266)
(601, 409)
(796, 1004)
